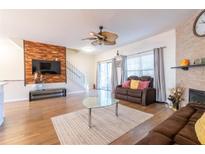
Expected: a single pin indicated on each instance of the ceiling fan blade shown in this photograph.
(90, 38)
(98, 35)
(109, 36)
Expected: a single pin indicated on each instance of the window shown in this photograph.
(141, 64)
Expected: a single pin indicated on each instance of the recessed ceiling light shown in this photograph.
(88, 49)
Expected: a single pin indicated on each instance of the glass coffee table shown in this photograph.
(99, 102)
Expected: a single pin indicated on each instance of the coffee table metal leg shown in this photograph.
(116, 110)
(89, 118)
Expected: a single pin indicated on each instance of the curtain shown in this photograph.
(124, 69)
(114, 79)
(159, 78)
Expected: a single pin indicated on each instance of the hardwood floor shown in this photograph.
(30, 123)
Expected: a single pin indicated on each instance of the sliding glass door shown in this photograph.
(104, 75)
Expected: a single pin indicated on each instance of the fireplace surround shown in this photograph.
(196, 96)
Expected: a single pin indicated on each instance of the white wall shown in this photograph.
(11, 52)
(12, 70)
(84, 62)
(167, 39)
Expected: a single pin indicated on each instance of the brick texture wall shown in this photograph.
(191, 47)
(41, 51)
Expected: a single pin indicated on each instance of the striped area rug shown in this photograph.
(72, 128)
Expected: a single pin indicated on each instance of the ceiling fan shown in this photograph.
(102, 37)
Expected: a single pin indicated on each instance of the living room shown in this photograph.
(102, 79)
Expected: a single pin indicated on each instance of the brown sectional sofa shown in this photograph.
(144, 97)
(177, 129)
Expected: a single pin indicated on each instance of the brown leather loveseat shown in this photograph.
(144, 97)
(177, 129)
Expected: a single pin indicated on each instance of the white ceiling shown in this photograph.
(68, 27)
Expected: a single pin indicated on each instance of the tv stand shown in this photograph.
(46, 93)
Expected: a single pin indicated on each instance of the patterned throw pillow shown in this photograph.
(143, 85)
(126, 84)
(134, 84)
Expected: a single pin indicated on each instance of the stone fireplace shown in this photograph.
(189, 46)
(196, 96)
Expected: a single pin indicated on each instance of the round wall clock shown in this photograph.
(199, 25)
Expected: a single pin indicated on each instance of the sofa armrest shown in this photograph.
(197, 106)
(148, 96)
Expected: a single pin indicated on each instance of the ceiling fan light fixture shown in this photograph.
(91, 34)
(88, 49)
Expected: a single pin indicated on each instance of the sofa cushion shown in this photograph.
(143, 85)
(126, 84)
(187, 135)
(142, 78)
(120, 90)
(197, 115)
(184, 113)
(119, 96)
(134, 93)
(183, 140)
(134, 84)
(171, 126)
(147, 78)
(134, 99)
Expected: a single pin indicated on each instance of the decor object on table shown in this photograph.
(176, 97)
(38, 77)
(202, 60)
(199, 25)
(185, 62)
(197, 61)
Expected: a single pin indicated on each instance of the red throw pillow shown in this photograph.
(143, 85)
(126, 84)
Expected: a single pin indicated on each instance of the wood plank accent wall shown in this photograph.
(41, 51)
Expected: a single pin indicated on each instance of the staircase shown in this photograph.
(76, 76)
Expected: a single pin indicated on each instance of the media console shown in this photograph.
(46, 93)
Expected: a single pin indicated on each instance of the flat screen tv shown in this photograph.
(46, 67)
